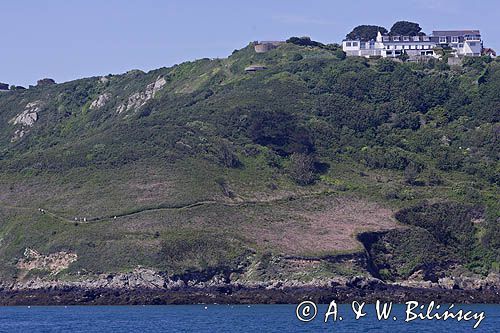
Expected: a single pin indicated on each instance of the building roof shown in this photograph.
(445, 33)
(489, 50)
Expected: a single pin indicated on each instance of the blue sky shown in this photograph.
(70, 39)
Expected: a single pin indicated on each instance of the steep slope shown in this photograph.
(203, 167)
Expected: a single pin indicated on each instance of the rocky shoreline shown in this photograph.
(148, 287)
(241, 295)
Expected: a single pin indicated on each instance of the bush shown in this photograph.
(411, 173)
(301, 169)
(304, 41)
(449, 222)
(227, 155)
(386, 65)
(434, 179)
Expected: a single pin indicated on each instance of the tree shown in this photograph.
(280, 131)
(365, 32)
(406, 28)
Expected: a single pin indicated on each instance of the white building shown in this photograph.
(463, 43)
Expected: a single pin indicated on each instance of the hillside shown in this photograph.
(203, 168)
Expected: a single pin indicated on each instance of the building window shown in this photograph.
(395, 38)
(362, 45)
(442, 40)
(406, 38)
(354, 43)
(472, 37)
(454, 39)
(416, 38)
(348, 44)
(460, 45)
(426, 38)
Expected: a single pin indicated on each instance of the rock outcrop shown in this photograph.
(53, 263)
(139, 99)
(25, 120)
(100, 101)
(145, 286)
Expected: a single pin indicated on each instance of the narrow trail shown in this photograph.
(167, 208)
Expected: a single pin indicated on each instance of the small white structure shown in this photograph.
(255, 68)
(462, 42)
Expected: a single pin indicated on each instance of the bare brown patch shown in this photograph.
(322, 227)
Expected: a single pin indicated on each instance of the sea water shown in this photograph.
(227, 318)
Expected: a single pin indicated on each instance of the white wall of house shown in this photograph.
(472, 48)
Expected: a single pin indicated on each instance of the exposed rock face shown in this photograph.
(29, 116)
(139, 278)
(103, 80)
(470, 283)
(143, 284)
(54, 262)
(25, 119)
(100, 101)
(4, 86)
(139, 99)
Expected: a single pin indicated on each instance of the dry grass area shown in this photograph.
(308, 226)
(327, 225)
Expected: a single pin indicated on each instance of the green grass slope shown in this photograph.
(204, 167)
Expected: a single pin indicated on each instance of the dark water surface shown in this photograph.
(226, 318)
